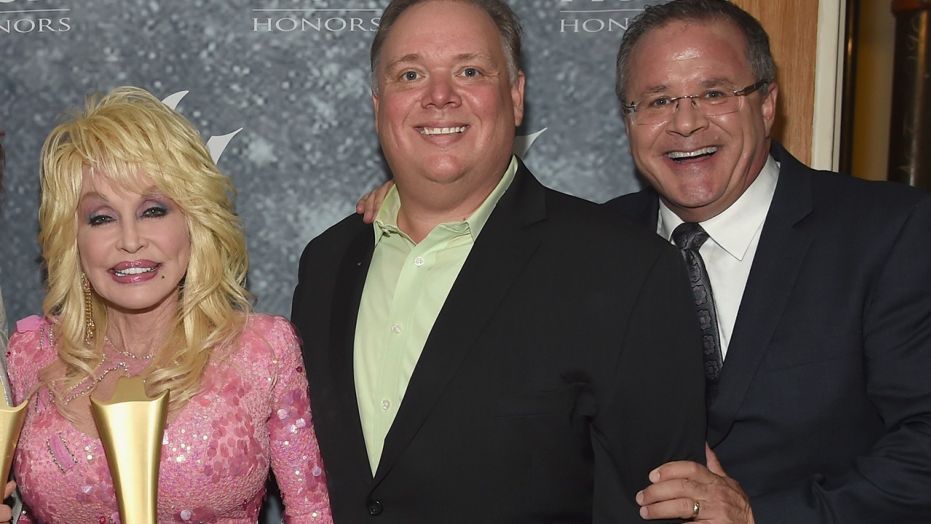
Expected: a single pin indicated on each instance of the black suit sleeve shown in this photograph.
(655, 411)
(892, 482)
(298, 309)
(306, 313)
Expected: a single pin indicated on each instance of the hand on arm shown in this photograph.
(6, 513)
(661, 345)
(678, 486)
(370, 202)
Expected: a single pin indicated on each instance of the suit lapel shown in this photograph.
(351, 281)
(784, 242)
(500, 252)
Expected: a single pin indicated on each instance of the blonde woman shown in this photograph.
(146, 263)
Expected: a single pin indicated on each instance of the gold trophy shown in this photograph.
(131, 425)
(11, 422)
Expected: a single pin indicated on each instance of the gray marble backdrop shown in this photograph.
(293, 74)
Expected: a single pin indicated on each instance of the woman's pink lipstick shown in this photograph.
(134, 271)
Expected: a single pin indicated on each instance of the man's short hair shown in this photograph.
(504, 18)
(657, 16)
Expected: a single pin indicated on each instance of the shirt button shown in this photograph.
(396, 329)
(418, 261)
(385, 405)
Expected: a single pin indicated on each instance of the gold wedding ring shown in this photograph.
(696, 508)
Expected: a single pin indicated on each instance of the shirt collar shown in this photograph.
(734, 228)
(386, 221)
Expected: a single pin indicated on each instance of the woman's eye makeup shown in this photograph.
(149, 209)
(98, 219)
(154, 211)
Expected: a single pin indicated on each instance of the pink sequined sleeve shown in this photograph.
(28, 352)
(295, 454)
(23, 360)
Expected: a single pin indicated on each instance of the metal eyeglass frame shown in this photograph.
(632, 107)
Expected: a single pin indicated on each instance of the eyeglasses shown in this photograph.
(713, 102)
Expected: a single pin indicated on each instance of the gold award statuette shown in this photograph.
(130, 425)
(11, 422)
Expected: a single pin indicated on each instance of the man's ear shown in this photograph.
(628, 123)
(375, 106)
(768, 108)
(517, 98)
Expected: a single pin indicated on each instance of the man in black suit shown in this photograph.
(489, 350)
(821, 289)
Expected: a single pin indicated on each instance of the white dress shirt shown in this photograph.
(733, 238)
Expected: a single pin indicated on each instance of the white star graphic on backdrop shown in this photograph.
(215, 144)
(522, 144)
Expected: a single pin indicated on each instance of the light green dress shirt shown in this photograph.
(406, 286)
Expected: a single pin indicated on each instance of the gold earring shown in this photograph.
(90, 328)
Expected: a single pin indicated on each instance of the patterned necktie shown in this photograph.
(689, 237)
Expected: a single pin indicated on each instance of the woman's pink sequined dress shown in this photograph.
(252, 411)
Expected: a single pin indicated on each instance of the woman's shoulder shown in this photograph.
(29, 333)
(268, 326)
(264, 321)
(31, 324)
(264, 332)
(31, 348)
(266, 346)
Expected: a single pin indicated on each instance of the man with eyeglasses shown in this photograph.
(813, 289)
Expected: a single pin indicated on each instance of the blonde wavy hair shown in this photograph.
(126, 133)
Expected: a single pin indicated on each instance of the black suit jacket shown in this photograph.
(563, 367)
(824, 407)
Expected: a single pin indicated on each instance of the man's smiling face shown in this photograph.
(699, 164)
(445, 107)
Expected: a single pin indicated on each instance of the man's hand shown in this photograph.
(370, 203)
(6, 514)
(679, 488)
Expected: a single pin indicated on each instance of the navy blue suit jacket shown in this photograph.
(824, 408)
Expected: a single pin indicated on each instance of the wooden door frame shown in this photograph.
(807, 38)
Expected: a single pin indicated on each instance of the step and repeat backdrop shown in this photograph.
(286, 82)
